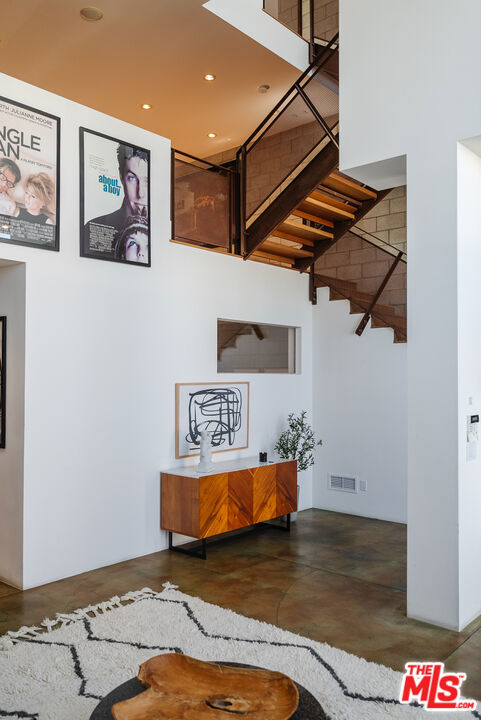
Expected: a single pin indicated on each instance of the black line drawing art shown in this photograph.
(218, 408)
(217, 411)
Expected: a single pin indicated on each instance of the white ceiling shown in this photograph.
(154, 51)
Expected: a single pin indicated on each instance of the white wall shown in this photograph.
(12, 305)
(418, 103)
(249, 17)
(360, 412)
(106, 344)
(469, 273)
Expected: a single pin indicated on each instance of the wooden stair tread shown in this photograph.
(293, 238)
(288, 251)
(381, 316)
(292, 241)
(336, 195)
(397, 321)
(348, 186)
(314, 218)
(273, 256)
(366, 298)
(348, 286)
(304, 231)
(332, 201)
(315, 206)
(324, 280)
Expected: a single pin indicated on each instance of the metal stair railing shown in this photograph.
(303, 18)
(366, 278)
(299, 100)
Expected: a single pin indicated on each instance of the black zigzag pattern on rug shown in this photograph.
(91, 637)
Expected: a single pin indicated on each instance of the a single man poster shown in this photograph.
(114, 199)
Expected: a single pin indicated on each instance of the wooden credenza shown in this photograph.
(238, 494)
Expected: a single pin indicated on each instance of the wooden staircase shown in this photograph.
(287, 204)
(311, 226)
(313, 207)
(319, 220)
(381, 315)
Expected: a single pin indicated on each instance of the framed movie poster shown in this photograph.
(221, 409)
(114, 199)
(29, 176)
(3, 377)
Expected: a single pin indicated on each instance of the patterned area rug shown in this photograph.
(61, 670)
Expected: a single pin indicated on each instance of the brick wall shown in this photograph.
(287, 14)
(222, 157)
(274, 157)
(326, 18)
(387, 220)
(365, 267)
(285, 11)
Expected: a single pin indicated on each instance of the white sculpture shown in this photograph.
(205, 462)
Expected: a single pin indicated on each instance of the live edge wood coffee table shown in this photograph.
(237, 494)
(175, 687)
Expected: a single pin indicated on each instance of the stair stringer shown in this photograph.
(302, 185)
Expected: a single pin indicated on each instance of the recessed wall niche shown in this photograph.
(250, 347)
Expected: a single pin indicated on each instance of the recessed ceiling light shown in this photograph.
(209, 77)
(91, 13)
(212, 135)
(264, 88)
(146, 106)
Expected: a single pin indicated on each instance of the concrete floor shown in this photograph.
(335, 578)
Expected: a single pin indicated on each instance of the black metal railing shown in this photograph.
(203, 197)
(213, 205)
(315, 20)
(371, 273)
(378, 242)
(287, 12)
(294, 130)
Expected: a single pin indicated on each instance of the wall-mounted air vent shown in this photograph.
(342, 483)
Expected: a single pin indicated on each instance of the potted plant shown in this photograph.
(297, 443)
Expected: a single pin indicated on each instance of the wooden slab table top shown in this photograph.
(181, 687)
(308, 707)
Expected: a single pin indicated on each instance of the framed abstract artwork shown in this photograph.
(29, 176)
(3, 378)
(221, 409)
(114, 200)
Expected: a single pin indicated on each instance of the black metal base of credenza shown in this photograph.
(200, 551)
